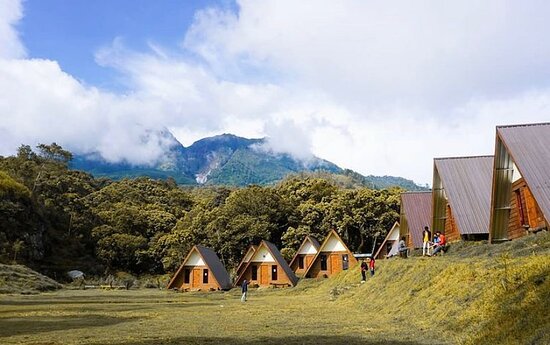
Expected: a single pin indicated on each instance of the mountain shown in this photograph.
(224, 160)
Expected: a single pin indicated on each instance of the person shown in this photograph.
(363, 271)
(442, 242)
(244, 290)
(402, 248)
(371, 266)
(426, 238)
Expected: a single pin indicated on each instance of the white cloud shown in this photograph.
(11, 11)
(380, 88)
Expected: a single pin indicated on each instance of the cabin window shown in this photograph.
(324, 262)
(300, 262)
(345, 261)
(205, 276)
(254, 272)
(521, 211)
(186, 275)
(273, 272)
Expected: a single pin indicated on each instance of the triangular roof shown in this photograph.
(527, 148)
(211, 261)
(417, 207)
(467, 183)
(252, 248)
(394, 228)
(278, 257)
(332, 233)
(309, 239)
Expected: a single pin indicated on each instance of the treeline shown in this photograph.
(55, 219)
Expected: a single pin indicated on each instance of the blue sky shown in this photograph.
(71, 31)
(381, 88)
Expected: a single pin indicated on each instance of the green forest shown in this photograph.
(55, 219)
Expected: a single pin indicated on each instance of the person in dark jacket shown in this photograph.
(244, 290)
(363, 271)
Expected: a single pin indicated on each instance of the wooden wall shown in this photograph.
(452, 234)
(523, 205)
(264, 281)
(195, 279)
(308, 259)
(334, 264)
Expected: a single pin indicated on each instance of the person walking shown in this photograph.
(426, 238)
(244, 290)
(363, 271)
(371, 266)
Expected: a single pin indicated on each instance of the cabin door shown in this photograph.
(264, 272)
(335, 263)
(308, 260)
(195, 283)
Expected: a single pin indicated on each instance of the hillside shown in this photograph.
(21, 279)
(226, 160)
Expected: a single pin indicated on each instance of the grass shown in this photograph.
(495, 297)
(21, 279)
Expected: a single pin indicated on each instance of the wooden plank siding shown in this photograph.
(307, 259)
(196, 279)
(452, 234)
(524, 211)
(264, 274)
(334, 264)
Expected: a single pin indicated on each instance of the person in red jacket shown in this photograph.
(371, 266)
(441, 244)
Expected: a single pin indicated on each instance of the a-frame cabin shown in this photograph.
(520, 201)
(304, 255)
(333, 256)
(390, 245)
(201, 270)
(462, 197)
(416, 213)
(246, 258)
(267, 267)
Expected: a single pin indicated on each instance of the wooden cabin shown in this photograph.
(246, 258)
(390, 245)
(333, 256)
(461, 197)
(201, 270)
(267, 267)
(304, 255)
(415, 214)
(520, 202)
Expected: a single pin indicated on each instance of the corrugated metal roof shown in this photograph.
(417, 208)
(216, 267)
(529, 146)
(467, 182)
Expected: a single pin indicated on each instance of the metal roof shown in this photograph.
(467, 182)
(417, 208)
(215, 265)
(529, 146)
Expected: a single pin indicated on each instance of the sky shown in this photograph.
(375, 86)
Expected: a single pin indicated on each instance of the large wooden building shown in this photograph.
(461, 195)
(520, 201)
(201, 270)
(246, 258)
(304, 255)
(390, 245)
(415, 214)
(333, 257)
(267, 267)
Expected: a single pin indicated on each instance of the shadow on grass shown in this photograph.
(294, 340)
(32, 325)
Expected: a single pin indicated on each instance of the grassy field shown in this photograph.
(496, 297)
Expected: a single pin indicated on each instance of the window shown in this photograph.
(254, 272)
(186, 276)
(300, 262)
(345, 261)
(205, 276)
(273, 272)
(323, 262)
